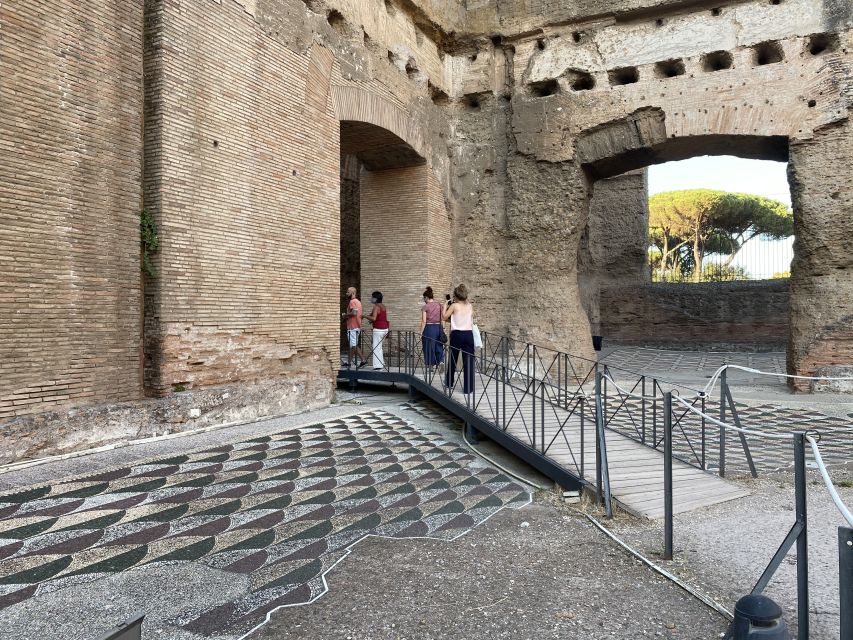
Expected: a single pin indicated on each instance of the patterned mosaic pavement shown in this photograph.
(768, 454)
(281, 509)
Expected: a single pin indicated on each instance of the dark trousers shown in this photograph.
(461, 341)
(433, 349)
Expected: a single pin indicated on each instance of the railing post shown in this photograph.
(667, 475)
(654, 413)
(845, 581)
(703, 432)
(802, 538)
(532, 381)
(602, 472)
(643, 403)
(723, 419)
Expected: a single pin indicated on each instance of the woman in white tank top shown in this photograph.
(460, 314)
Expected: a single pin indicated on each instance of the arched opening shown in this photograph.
(737, 297)
(395, 231)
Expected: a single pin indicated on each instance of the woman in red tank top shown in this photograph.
(379, 318)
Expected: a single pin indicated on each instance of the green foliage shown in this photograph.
(782, 274)
(685, 226)
(149, 240)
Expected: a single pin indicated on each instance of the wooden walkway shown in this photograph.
(636, 470)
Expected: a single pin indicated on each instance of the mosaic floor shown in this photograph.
(280, 509)
(668, 364)
(768, 454)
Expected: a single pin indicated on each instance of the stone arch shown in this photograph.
(357, 105)
(818, 340)
(393, 201)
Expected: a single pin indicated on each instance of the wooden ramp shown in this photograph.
(636, 470)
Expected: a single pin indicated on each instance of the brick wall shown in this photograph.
(405, 240)
(70, 197)
(731, 315)
(247, 199)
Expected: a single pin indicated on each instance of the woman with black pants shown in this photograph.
(460, 314)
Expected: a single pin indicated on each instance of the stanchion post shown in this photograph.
(667, 475)
(802, 538)
(723, 419)
(845, 581)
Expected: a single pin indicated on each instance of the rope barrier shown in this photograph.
(713, 381)
(828, 482)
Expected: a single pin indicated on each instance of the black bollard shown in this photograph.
(757, 618)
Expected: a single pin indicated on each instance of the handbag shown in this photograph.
(478, 339)
(442, 336)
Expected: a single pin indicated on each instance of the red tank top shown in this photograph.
(381, 321)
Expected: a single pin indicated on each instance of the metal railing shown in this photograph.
(539, 396)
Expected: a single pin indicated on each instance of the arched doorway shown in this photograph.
(395, 231)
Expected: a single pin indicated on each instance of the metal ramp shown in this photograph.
(553, 411)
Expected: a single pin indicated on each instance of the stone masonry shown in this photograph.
(229, 120)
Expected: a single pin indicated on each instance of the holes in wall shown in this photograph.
(812, 103)
(540, 44)
(392, 58)
(625, 75)
(580, 80)
(717, 61)
(337, 21)
(439, 98)
(716, 11)
(775, 1)
(577, 36)
(471, 103)
(544, 88)
(412, 70)
(767, 53)
(669, 68)
(215, 143)
(496, 41)
(819, 43)
(473, 57)
(659, 22)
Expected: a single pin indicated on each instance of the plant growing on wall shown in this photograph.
(149, 240)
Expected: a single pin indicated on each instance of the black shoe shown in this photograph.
(361, 365)
(344, 365)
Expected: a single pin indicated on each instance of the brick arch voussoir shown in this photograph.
(351, 103)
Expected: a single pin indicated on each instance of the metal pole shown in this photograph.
(845, 581)
(703, 433)
(643, 402)
(533, 395)
(723, 419)
(654, 413)
(667, 475)
(802, 539)
(597, 443)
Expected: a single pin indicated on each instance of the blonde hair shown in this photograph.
(461, 292)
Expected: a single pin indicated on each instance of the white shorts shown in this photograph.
(352, 335)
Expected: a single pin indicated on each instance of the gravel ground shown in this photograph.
(537, 572)
(723, 549)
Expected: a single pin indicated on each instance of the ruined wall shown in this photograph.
(613, 87)
(70, 200)
(821, 338)
(717, 315)
(614, 246)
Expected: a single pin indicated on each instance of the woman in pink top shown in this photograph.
(431, 330)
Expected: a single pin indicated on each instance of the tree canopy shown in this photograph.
(687, 225)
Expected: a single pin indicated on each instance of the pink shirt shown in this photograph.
(433, 312)
(354, 322)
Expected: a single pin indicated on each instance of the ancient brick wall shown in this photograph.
(719, 315)
(70, 201)
(405, 240)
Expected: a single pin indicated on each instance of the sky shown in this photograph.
(761, 258)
